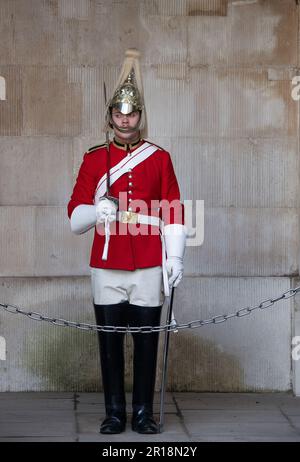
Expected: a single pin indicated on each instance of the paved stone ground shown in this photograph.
(193, 417)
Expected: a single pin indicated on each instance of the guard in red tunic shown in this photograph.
(128, 192)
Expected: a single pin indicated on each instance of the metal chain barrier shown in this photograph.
(173, 326)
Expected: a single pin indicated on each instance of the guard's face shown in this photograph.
(125, 120)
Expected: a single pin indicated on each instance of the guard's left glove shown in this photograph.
(175, 240)
(175, 270)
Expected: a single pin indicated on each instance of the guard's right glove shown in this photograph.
(85, 216)
(106, 209)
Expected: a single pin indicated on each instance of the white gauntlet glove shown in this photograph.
(175, 239)
(106, 210)
(175, 270)
(83, 218)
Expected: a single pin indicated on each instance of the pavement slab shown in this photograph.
(189, 417)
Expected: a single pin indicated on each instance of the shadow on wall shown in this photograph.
(204, 368)
(66, 359)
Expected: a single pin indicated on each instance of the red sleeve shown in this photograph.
(172, 210)
(86, 183)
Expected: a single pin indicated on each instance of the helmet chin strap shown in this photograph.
(127, 129)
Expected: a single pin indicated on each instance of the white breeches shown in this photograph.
(142, 287)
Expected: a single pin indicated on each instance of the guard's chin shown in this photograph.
(126, 129)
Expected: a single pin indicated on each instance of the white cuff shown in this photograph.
(83, 218)
(175, 240)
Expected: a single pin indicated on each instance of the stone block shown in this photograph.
(40, 355)
(38, 424)
(16, 404)
(266, 31)
(231, 402)
(6, 36)
(281, 73)
(36, 170)
(11, 109)
(172, 32)
(246, 432)
(31, 32)
(223, 103)
(246, 242)
(75, 9)
(38, 241)
(52, 105)
(221, 416)
(87, 37)
(238, 172)
(251, 353)
(184, 8)
(91, 81)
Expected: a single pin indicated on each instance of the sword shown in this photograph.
(114, 199)
(165, 362)
(107, 146)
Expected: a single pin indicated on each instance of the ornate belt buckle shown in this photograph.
(129, 217)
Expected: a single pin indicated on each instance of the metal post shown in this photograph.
(165, 363)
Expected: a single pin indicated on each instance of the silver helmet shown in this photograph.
(128, 93)
(127, 97)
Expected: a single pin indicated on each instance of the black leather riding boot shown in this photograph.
(144, 367)
(111, 346)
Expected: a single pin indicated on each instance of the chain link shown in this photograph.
(173, 326)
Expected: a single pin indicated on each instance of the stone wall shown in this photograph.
(217, 77)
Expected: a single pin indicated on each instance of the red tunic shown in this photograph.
(152, 179)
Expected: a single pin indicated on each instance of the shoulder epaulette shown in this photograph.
(96, 147)
(154, 144)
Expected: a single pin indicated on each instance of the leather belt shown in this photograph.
(126, 216)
